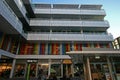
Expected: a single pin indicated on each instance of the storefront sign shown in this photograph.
(67, 61)
(31, 61)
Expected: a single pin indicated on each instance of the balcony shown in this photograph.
(18, 8)
(9, 22)
(69, 11)
(68, 23)
(96, 51)
(68, 37)
(6, 53)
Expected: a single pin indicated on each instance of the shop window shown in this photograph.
(117, 68)
(32, 70)
(56, 68)
(5, 70)
(19, 70)
(44, 67)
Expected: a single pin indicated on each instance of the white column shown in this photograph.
(72, 70)
(49, 61)
(84, 67)
(26, 66)
(36, 69)
(114, 74)
(18, 47)
(46, 49)
(60, 49)
(110, 69)
(61, 69)
(8, 47)
(88, 66)
(66, 70)
(12, 69)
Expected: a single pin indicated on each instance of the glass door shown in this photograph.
(79, 71)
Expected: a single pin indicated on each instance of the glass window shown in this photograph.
(19, 70)
(117, 68)
(56, 68)
(5, 70)
(32, 70)
(44, 67)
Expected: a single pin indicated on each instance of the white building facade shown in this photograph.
(72, 39)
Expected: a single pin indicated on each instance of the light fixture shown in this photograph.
(97, 57)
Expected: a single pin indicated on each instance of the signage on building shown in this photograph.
(31, 61)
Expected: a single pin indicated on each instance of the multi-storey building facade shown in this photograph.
(116, 43)
(68, 39)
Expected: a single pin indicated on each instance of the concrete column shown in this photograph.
(66, 70)
(26, 65)
(9, 43)
(113, 67)
(49, 66)
(110, 68)
(46, 49)
(89, 71)
(60, 49)
(61, 69)
(36, 70)
(84, 67)
(12, 70)
(72, 70)
(18, 48)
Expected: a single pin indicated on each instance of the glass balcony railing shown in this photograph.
(69, 11)
(68, 23)
(69, 37)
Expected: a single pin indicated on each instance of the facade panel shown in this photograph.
(67, 39)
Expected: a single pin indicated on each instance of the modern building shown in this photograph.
(67, 39)
(116, 43)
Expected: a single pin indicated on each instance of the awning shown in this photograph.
(67, 61)
(42, 57)
(112, 52)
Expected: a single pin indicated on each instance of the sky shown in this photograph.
(111, 8)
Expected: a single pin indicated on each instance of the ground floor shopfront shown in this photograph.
(84, 67)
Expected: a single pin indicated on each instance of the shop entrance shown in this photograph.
(31, 69)
(79, 70)
(99, 68)
(67, 68)
(116, 67)
(5, 67)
